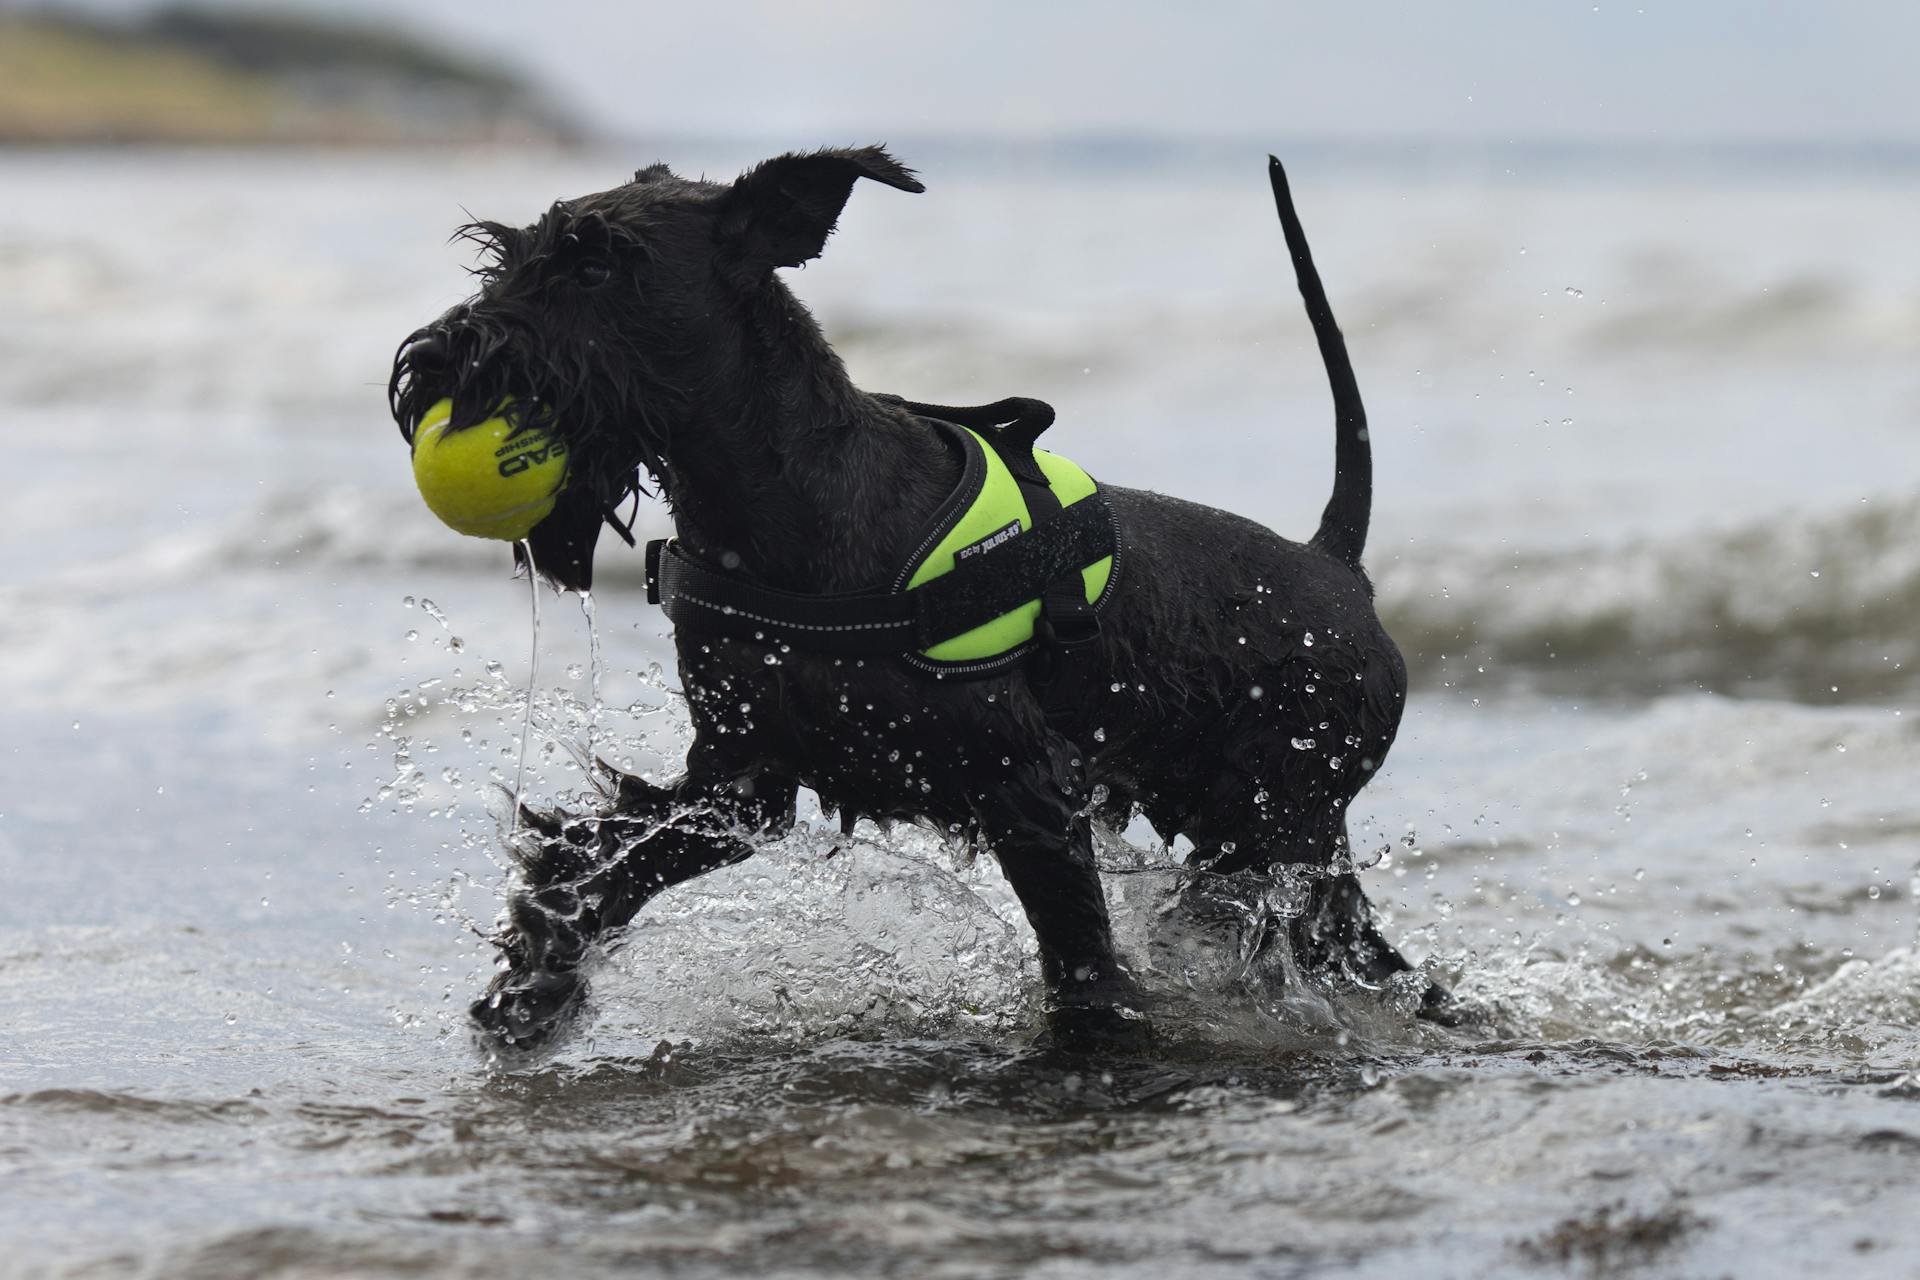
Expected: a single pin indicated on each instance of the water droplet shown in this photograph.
(1307, 640)
(1574, 293)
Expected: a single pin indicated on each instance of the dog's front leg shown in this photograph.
(588, 875)
(1032, 818)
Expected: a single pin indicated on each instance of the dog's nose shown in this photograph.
(428, 352)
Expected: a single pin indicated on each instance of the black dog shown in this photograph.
(1233, 686)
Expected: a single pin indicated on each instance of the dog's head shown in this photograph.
(618, 318)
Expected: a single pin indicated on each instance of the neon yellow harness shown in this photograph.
(995, 509)
(1021, 558)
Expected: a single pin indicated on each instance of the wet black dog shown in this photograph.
(1242, 690)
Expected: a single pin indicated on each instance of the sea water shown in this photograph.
(1647, 526)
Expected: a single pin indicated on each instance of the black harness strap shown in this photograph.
(696, 596)
(971, 594)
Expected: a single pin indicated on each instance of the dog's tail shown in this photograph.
(1343, 525)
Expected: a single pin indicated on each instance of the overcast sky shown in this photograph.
(1479, 69)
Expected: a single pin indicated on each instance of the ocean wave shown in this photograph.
(286, 344)
(1664, 313)
(1815, 607)
(1812, 607)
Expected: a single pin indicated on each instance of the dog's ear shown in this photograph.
(781, 212)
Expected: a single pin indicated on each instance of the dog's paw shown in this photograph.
(524, 1014)
(1442, 1008)
(1097, 1028)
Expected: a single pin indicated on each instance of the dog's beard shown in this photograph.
(605, 409)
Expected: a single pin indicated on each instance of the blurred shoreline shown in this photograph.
(183, 75)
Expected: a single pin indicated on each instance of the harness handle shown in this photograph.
(1018, 417)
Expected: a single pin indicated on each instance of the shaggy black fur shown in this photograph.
(1246, 689)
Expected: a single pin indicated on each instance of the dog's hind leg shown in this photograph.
(1033, 816)
(1294, 857)
(587, 875)
(1335, 932)
(1281, 882)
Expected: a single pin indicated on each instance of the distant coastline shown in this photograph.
(185, 75)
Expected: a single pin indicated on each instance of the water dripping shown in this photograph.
(533, 672)
(595, 669)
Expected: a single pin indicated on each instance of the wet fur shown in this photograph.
(1247, 689)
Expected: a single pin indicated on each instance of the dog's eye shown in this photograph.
(593, 272)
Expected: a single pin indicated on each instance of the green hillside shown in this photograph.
(187, 75)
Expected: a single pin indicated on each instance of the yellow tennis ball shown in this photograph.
(480, 482)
